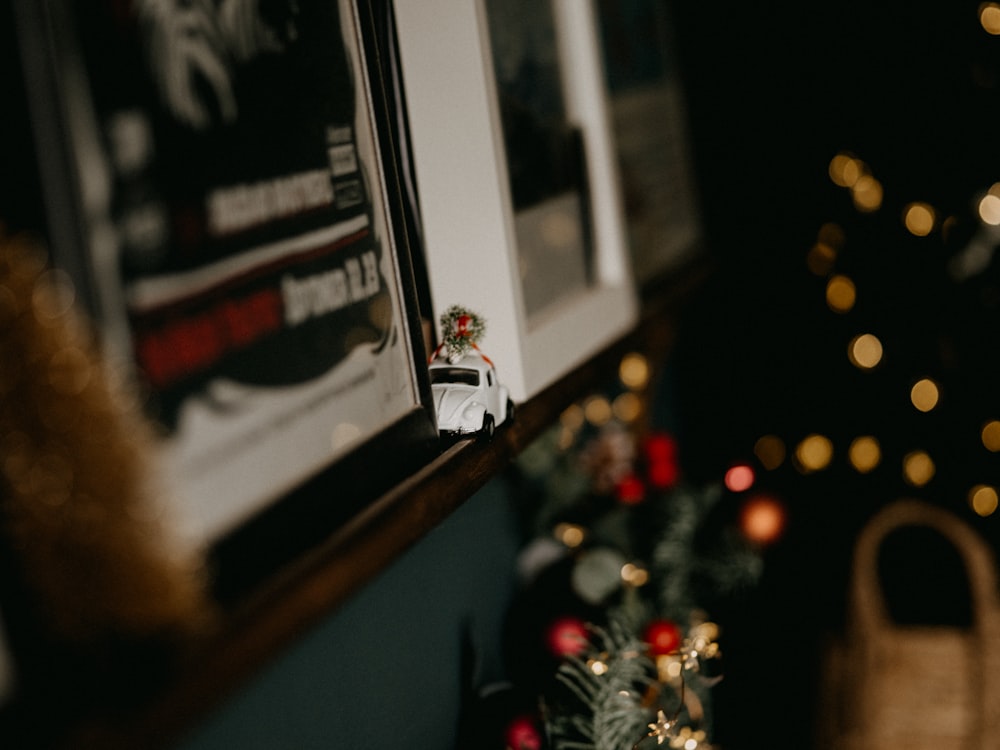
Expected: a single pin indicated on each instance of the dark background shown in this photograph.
(774, 91)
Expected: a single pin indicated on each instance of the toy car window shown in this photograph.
(454, 375)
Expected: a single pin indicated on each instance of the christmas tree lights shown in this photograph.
(611, 636)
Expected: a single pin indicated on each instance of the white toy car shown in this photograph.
(468, 397)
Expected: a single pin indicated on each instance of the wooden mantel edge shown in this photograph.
(314, 587)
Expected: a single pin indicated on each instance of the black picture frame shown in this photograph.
(115, 150)
(649, 121)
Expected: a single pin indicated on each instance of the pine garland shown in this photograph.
(598, 492)
(461, 331)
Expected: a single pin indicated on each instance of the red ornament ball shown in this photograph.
(662, 466)
(663, 637)
(661, 447)
(522, 734)
(566, 636)
(663, 474)
(630, 490)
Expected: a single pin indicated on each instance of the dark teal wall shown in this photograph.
(386, 670)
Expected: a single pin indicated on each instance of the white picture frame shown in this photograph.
(468, 219)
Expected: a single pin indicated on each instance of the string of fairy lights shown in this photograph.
(866, 351)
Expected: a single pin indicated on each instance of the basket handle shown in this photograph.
(867, 600)
(869, 621)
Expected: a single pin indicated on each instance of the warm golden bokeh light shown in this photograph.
(770, 451)
(918, 468)
(597, 410)
(840, 294)
(989, 18)
(867, 194)
(820, 259)
(634, 371)
(864, 453)
(831, 234)
(570, 534)
(919, 219)
(598, 667)
(983, 500)
(865, 351)
(814, 453)
(990, 436)
(924, 394)
(572, 417)
(989, 209)
(635, 575)
(627, 407)
(845, 170)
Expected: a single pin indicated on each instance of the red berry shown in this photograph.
(522, 734)
(630, 490)
(566, 636)
(661, 447)
(663, 637)
(663, 474)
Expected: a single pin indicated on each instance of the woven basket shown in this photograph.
(889, 686)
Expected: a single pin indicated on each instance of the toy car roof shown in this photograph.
(472, 361)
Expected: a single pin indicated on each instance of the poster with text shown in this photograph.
(238, 236)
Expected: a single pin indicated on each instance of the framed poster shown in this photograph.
(221, 182)
(517, 178)
(649, 123)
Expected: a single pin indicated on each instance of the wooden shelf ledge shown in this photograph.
(300, 596)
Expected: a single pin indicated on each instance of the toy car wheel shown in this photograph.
(489, 427)
(510, 411)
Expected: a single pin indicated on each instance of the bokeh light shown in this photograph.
(845, 170)
(762, 519)
(832, 234)
(597, 410)
(820, 259)
(864, 454)
(770, 451)
(989, 18)
(865, 351)
(634, 575)
(983, 500)
(572, 417)
(918, 468)
(924, 395)
(627, 407)
(739, 478)
(840, 293)
(70, 371)
(570, 534)
(990, 435)
(989, 208)
(566, 636)
(867, 194)
(54, 295)
(814, 453)
(634, 371)
(919, 219)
